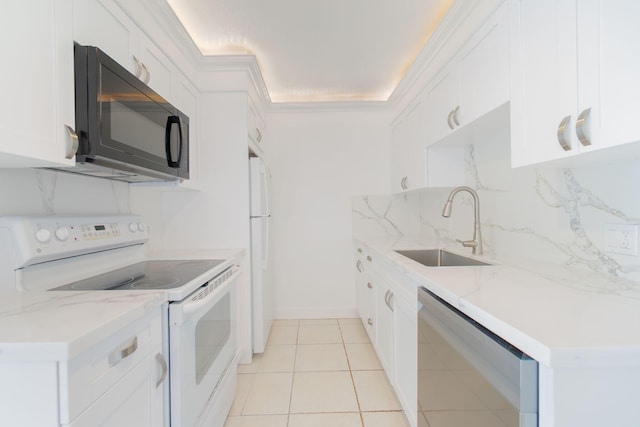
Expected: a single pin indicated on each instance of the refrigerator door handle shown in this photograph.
(267, 226)
(265, 185)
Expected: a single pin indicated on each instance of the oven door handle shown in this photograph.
(189, 306)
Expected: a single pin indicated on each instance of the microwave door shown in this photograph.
(137, 125)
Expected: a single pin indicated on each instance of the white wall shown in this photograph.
(318, 162)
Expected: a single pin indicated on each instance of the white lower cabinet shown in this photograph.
(406, 356)
(118, 382)
(385, 342)
(388, 310)
(365, 293)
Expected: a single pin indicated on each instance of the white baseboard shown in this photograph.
(315, 313)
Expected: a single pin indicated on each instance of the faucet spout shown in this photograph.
(476, 242)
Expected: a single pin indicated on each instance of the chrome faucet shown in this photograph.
(476, 242)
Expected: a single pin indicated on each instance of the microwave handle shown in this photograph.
(171, 120)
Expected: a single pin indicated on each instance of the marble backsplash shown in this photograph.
(532, 217)
(48, 192)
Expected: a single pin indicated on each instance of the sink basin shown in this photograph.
(440, 258)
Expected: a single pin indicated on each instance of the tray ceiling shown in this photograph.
(317, 51)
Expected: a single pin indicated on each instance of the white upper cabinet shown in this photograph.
(103, 24)
(574, 80)
(157, 70)
(608, 71)
(255, 128)
(475, 82)
(444, 103)
(408, 141)
(37, 116)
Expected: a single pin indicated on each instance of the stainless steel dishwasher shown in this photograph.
(467, 375)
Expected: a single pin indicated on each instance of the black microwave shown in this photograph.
(126, 131)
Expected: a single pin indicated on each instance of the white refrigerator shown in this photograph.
(261, 283)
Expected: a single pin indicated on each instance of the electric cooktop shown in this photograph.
(145, 275)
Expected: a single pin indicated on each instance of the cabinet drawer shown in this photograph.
(87, 377)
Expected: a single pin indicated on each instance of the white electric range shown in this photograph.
(72, 253)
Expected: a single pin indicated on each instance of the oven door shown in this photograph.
(202, 345)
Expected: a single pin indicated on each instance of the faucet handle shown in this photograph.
(468, 243)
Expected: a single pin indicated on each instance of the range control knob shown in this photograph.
(62, 234)
(141, 226)
(43, 235)
(133, 227)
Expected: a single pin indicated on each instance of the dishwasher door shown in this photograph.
(467, 375)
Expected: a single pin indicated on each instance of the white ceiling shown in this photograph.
(317, 51)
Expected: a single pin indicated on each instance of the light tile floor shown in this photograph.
(315, 373)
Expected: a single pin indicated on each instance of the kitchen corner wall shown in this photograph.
(550, 220)
(48, 192)
(318, 161)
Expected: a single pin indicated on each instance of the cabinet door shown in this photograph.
(406, 357)
(157, 71)
(37, 84)
(443, 95)
(408, 156)
(609, 71)
(484, 69)
(103, 24)
(398, 157)
(369, 305)
(417, 140)
(543, 59)
(385, 328)
(361, 286)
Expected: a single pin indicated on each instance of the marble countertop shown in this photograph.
(57, 326)
(559, 320)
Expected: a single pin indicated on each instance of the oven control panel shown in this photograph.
(37, 239)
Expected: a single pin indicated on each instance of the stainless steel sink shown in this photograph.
(439, 258)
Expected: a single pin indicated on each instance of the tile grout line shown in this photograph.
(355, 391)
(293, 372)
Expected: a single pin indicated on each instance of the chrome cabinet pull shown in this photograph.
(359, 266)
(369, 285)
(455, 116)
(369, 321)
(72, 142)
(562, 129)
(138, 64)
(163, 365)
(147, 74)
(582, 128)
(388, 299)
(118, 355)
(403, 183)
(449, 120)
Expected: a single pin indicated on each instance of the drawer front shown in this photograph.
(89, 376)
